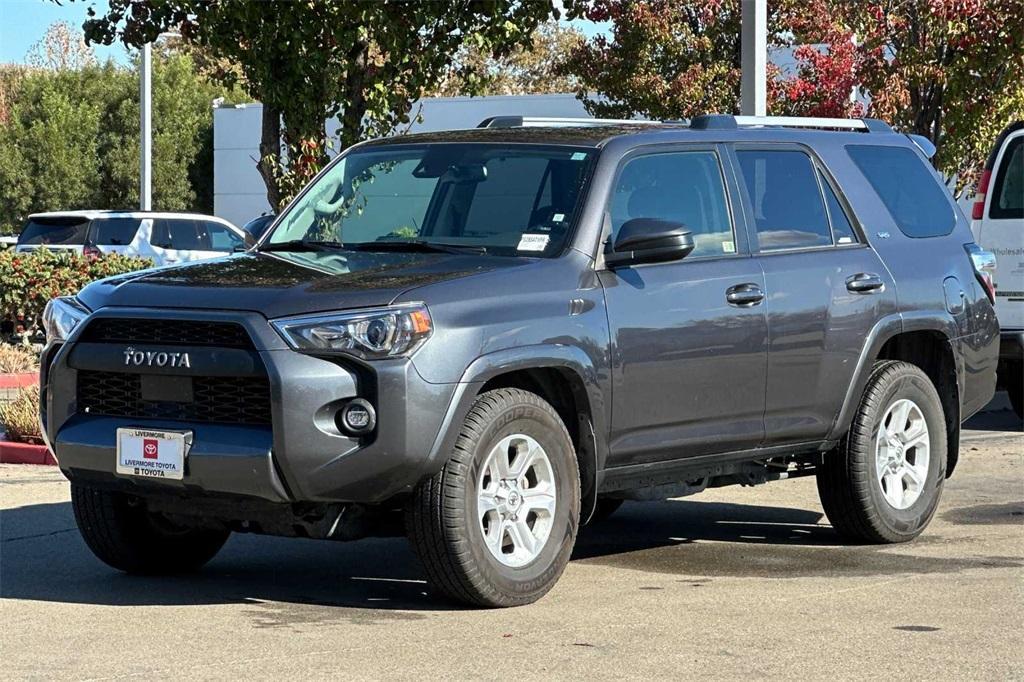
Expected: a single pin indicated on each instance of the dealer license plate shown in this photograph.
(152, 454)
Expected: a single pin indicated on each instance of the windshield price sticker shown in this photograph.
(534, 242)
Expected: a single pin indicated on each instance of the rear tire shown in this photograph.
(124, 535)
(496, 526)
(883, 483)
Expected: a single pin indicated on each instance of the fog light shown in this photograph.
(358, 417)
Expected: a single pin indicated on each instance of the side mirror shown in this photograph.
(649, 240)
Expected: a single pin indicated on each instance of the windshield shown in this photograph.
(498, 199)
(64, 231)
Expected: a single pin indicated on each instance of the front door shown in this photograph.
(689, 338)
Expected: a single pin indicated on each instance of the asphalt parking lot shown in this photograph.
(737, 582)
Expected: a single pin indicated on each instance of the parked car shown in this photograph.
(258, 225)
(166, 238)
(503, 333)
(998, 226)
(7, 241)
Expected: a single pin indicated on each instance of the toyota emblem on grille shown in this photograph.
(149, 358)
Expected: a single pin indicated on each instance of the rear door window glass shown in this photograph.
(681, 187)
(188, 235)
(918, 204)
(783, 189)
(59, 231)
(114, 231)
(842, 229)
(1008, 193)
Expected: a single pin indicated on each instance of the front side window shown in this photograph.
(682, 187)
(783, 189)
(1008, 193)
(114, 231)
(918, 204)
(221, 238)
(499, 199)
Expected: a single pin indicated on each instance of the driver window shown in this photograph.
(683, 187)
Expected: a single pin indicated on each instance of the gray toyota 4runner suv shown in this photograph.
(491, 337)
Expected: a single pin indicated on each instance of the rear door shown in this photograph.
(66, 233)
(1002, 231)
(825, 286)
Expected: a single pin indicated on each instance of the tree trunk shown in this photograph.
(270, 154)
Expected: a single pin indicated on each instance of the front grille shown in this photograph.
(169, 332)
(231, 400)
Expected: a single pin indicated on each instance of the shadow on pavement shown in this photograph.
(997, 416)
(43, 558)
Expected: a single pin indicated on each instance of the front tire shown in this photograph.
(124, 535)
(883, 483)
(495, 527)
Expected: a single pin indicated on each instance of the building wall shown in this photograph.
(239, 193)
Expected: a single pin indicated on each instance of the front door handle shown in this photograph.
(744, 295)
(864, 283)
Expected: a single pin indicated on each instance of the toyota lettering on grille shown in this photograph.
(149, 358)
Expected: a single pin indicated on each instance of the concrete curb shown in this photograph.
(25, 453)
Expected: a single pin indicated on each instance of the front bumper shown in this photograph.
(301, 455)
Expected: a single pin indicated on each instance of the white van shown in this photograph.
(998, 226)
(165, 238)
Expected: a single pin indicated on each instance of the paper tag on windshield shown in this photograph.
(533, 242)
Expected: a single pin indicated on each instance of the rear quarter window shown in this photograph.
(918, 204)
(114, 231)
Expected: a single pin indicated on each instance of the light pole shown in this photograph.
(754, 58)
(146, 124)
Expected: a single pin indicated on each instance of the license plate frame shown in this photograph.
(156, 454)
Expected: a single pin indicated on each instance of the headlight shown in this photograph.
(369, 334)
(61, 316)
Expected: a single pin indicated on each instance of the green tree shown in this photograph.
(526, 70)
(308, 62)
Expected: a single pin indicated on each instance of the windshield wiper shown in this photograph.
(417, 245)
(303, 245)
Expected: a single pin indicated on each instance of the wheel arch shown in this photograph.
(565, 377)
(925, 341)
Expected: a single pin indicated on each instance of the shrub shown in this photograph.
(17, 359)
(20, 417)
(28, 280)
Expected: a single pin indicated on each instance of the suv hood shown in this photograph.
(283, 283)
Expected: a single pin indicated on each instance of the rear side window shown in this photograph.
(683, 187)
(185, 235)
(789, 212)
(63, 231)
(114, 231)
(842, 229)
(918, 204)
(1008, 193)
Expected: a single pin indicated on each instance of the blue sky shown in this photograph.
(23, 23)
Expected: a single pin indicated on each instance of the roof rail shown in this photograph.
(556, 122)
(725, 121)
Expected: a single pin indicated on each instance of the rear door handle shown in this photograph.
(864, 283)
(744, 295)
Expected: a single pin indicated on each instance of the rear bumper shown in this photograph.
(301, 455)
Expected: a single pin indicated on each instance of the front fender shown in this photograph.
(593, 444)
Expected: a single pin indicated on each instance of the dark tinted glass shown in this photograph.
(187, 235)
(684, 187)
(510, 199)
(784, 193)
(1008, 192)
(918, 204)
(114, 231)
(842, 230)
(66, 231)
